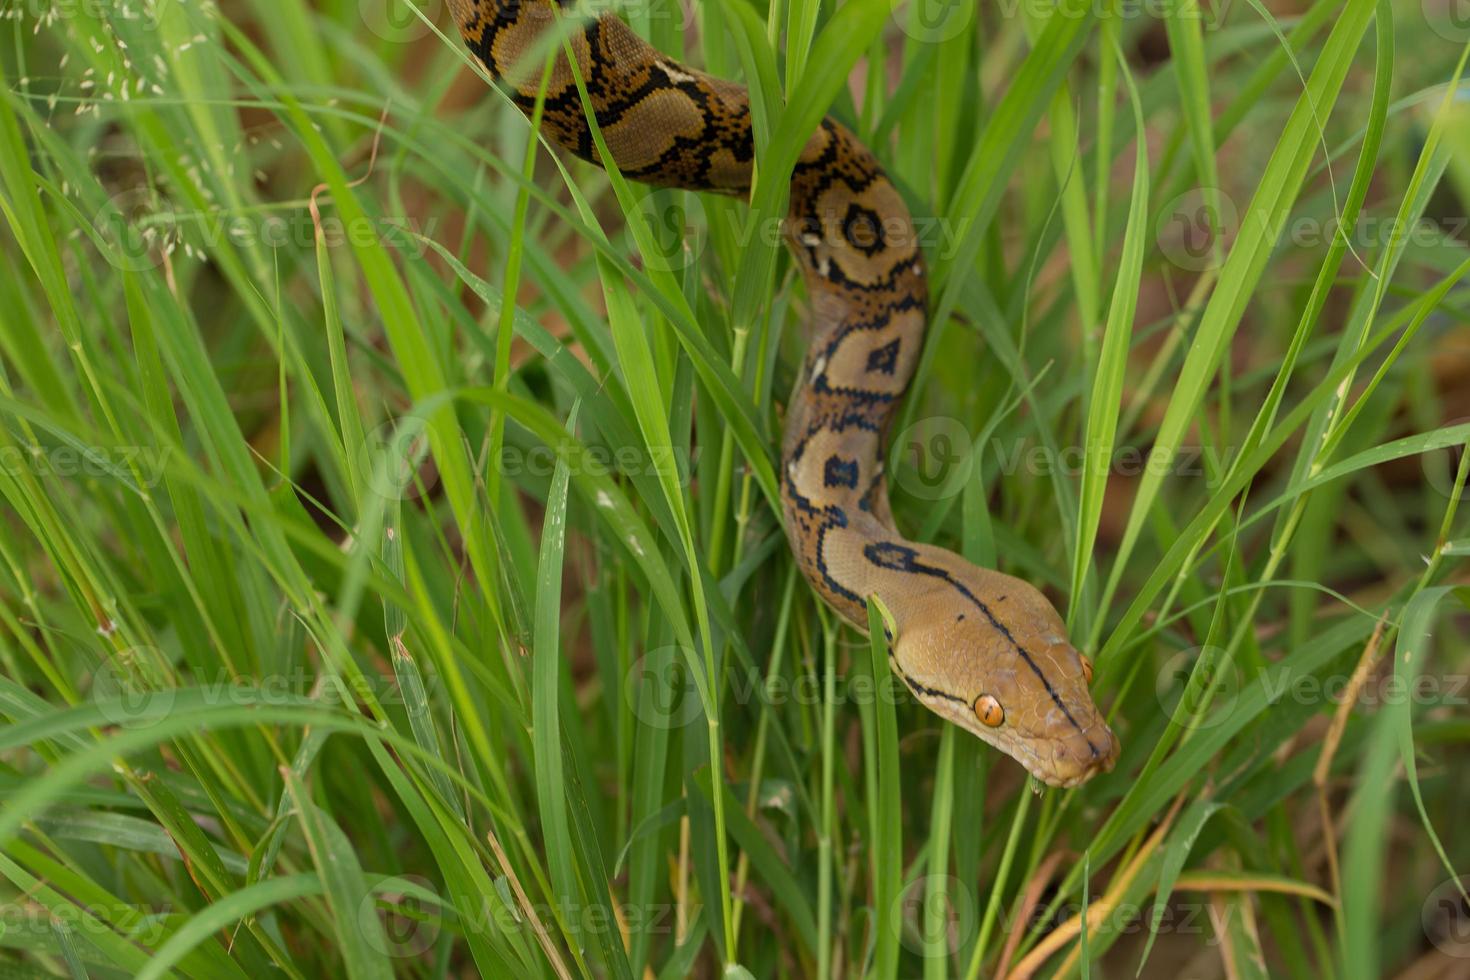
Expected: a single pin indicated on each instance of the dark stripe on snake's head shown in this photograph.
(901, 558)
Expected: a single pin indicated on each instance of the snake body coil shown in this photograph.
(982, 649)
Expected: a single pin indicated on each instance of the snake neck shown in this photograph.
(854, 239)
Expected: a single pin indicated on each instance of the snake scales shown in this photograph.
(981, 649)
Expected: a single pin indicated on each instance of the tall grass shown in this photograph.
(391, 576)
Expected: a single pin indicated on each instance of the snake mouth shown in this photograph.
(1071, 764)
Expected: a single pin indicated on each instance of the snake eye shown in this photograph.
(989, 711)
(1086, 668)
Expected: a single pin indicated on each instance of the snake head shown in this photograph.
(999, 665)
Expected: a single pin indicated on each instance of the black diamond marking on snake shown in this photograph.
(885, 358)
(841, 472)
(863, 230)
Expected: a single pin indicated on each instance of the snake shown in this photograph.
(982, 649)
